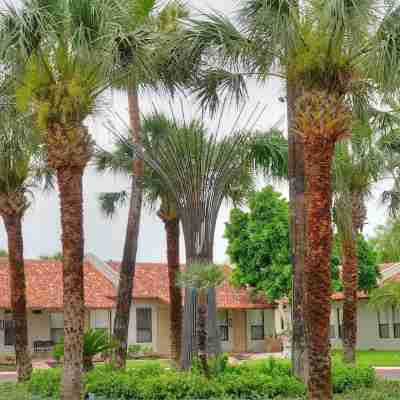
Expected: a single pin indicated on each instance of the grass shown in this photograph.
(143, 362)
(374, 358)
(8, 368)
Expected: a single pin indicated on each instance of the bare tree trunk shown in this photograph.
(202, 331)
(175, 293)
(127, 272)
(298, 236)
(350, 283)
(318, 154)
(70, 187)
(18, 295)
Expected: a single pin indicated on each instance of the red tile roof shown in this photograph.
(151, 281)
(340, 295)
(45, 290)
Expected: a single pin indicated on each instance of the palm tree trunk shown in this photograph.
(201, 327)
(18, 295)
(298, 236)
(175, 293)
(318, 154)
(350, 283)
(127, 272)
(70, 188)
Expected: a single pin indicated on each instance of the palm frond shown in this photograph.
(111, 201)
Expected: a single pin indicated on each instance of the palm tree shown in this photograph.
(147, 33)
(20, 168)
(357, 166)
(64, 71)
(320, 47)
(154, 129)
(268, 155)
(202, 277)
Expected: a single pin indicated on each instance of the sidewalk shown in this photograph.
(12, 376)
(388, 372)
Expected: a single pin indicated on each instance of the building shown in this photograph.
(245, 321)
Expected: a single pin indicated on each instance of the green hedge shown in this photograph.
(267, 380)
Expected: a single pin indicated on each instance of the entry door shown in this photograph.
(225, 330)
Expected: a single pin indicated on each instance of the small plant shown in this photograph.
(94, 342)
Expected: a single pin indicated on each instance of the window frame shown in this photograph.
(385, 325)
(145, 329)
(254, 337)
(9, 325)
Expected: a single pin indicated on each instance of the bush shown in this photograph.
(268, 379)
(45, 383)
(347, 377)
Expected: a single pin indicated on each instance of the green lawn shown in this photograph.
(146, 362)
(374, 358)
(7, 367)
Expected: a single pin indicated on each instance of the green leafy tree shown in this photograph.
(258, 244)
(386, 241)
(368, 267)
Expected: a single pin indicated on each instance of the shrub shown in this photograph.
(348, 377)
(94, 342)
(267, 380)
(45, 383)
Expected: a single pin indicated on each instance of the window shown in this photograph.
(143, 325)
(9, 333)
(257, 325)
(396, 322)
(339, 320)
(383, 324)
(223, 318)
(100, 320)
(56, 326)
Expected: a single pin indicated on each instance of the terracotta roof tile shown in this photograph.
(44, 285)
(151, 281)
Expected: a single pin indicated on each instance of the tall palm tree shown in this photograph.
(19, 167)
(358, 164)
(318, 48)
(268, 155)
(65, 70)
(154, 129)
(157, 30)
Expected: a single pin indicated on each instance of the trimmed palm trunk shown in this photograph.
(68, 152)
(127, 271)
(350, 283)
(321, 119)
(13, 226)
(201, 331)
(175, 293)
(297, 236)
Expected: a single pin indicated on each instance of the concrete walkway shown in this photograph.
(388, 372)
(12, 375)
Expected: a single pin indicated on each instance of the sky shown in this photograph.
(104, 237)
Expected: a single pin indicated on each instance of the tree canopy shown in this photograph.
(258, 246)
(386, 241)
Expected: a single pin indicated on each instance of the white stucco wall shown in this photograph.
(368, 332)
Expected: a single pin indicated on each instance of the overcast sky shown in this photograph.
(105, 237)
